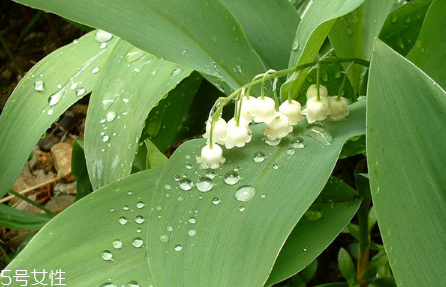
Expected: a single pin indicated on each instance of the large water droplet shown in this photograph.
(111, 115)
(55, 98)
(107, 255)
(259, 156)
(105, 138)
(80, 92)
(164, 238)
(178, 247)
(139, 219)
(139, 204)
(245, 193)
(204, 184)
(38, 86)
(216, 201)
(137, 242)
(319, 133)
(298, 142)
(117, 244)
(185, 184)
(122, 220)
(231, 177)
(95, 70)
(102, 36)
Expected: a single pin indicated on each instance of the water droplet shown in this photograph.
(245, 193)
(313, 214)
(122, 220)
(50, 111)
(290, 151)
(188, 166)
(139, 219)
(210, 174)
(305, 248)
(137, 242)
(102, 36)
(192, 220)
(164, 238)
(191, 232)
(178, 247)
(180, 199)
(38, 86)
(80, 92)
(138, 230)
(55, 98)
(105, 138)
(176, 72)
(236, 168)
(129, 192)
(133, 284)
(134, 54)
(111, 115)
(298, 142)
(139, 204)
(241, 208)
(185, 184)
(158, 208)
(106, 104)
(125, 207)
(259, 156)
(231, 177)
(204, 184)
(238, 69)
(275, 166)
(177, 177)
(394, 18)
(74, 86)
(169, 228)
(107, 255)
(295, 45)
(319, 133)
(59, 86)
(95, 70)
(216, 201)
(117, 244)
(108, 284)
(103, 45)
(167, 186)
(275, 142)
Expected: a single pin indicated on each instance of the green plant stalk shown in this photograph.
(16, 194)
(11, 56)
(281, 73)
(364, 237)
(7, 259)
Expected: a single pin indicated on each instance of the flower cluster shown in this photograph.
(280, 122)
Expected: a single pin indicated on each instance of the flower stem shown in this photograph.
(318, 68)
(344, 80)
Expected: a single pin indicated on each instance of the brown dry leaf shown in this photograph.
(62, 160)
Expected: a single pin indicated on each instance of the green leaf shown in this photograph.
(226, 230)
(29, 112)
(406, 166)
(270, 30)
(402, 27)
(154, 157)
(353, 34)
(79, 170)
(132, 83)
(347, 267)
(21, 220)
(87, 228)
(202, 35)
(336, 205)
(353, 147)
(430, 47)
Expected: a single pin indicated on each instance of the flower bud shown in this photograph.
(292, 109)
(312, 91)
(339, 108)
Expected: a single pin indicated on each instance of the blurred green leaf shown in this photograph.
(347, 267)
(336, 204)
(79, 170)
(202, 35)
(430, 47)
(406, 166)
(133, 82)
(47, 90)
(21, 220)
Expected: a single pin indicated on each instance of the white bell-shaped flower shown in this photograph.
(264, 110)
(211, 156)
(237, 135)
(247, 109)
(339, 108)
(293, 110)
(278, 128)
(312, 91)
(316, 110)
(219, 132)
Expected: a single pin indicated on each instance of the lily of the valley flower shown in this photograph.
(312, 91)
(264, 110)
(211, 156)
(292, 109)
(338, 107)
(247, 108)
(278, 128)
(316, 110)
(237, 135)
(219, 131)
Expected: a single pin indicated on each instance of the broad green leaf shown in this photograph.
(94, 224)
(21, 220)
(310, 35)
(202, 35)
(406, 166)
(402, 26)
(353, 34)
(430, 47)
(132, 83)
(217, 240)
(270, 30)
(323, 221)
(47, 90)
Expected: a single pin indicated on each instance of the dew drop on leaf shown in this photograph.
(204, 184)
(298, 142)
(111, 115)
(139, 219)
(259, 156)
(122, 220)
(102, 36)
(117, 244)
(95, 70)
(108, 284)
(216, 201)
(164, 238)
(140, 204)
(107, 255)
(231, 178)
(178, 247)
(245, 193)
(319, 133)
(137, 242)
(105, 138)
(191, 232)
(55, 98)
(133, 284)
(80, 92)
(38, 86)
(185, 184)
